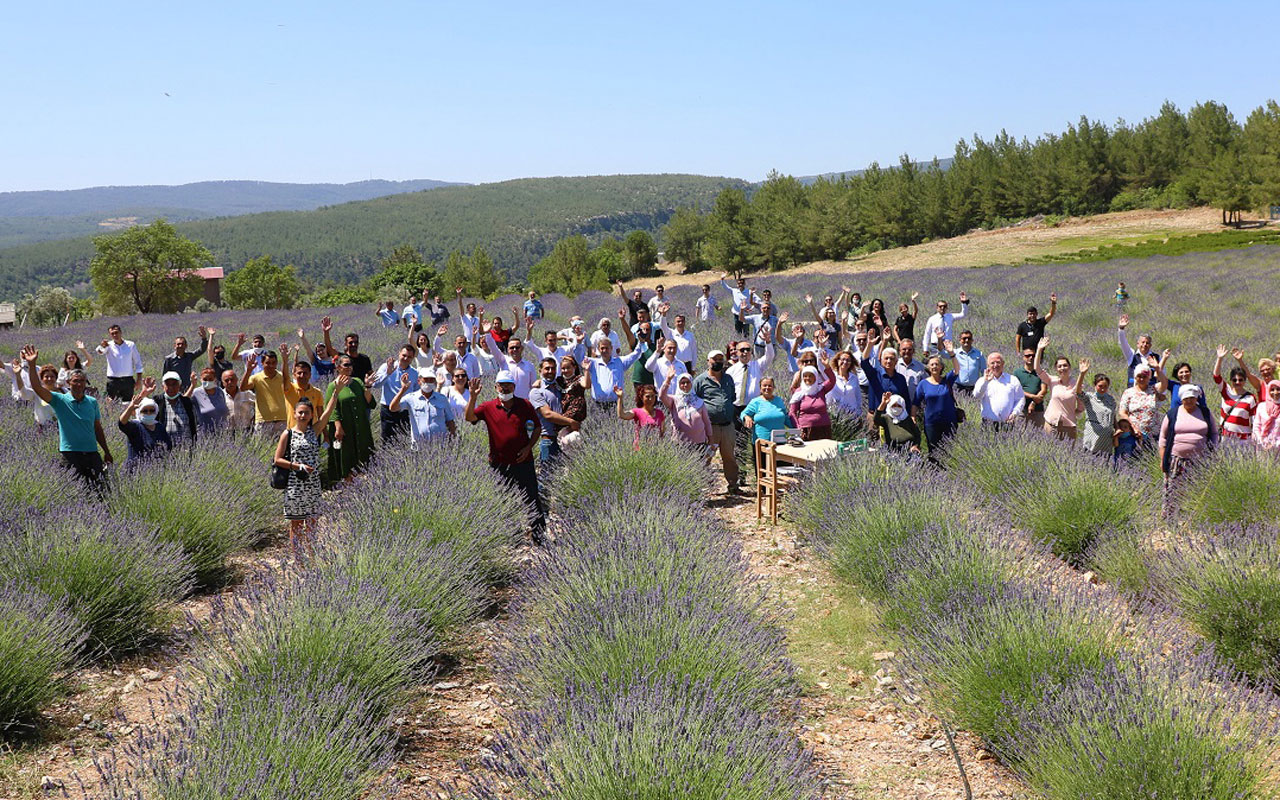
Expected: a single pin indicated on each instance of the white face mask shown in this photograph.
(173, 396)
(428, 388)
(506, 396)
(209, 386)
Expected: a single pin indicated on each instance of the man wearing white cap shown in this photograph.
(511, 424)
(174, 410)
(512, 359)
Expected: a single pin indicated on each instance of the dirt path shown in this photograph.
(869, 733)
(986, 248)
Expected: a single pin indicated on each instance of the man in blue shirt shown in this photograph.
(533, 306)
(970, 363)
(762, 326)
(608, 371)
(80, 431)
(387, 378)
(430, 414)
(388, 314)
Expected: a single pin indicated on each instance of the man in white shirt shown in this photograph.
(470, 322)
(554, 350)
(742, 298)
(764, 325)
(664, 360)
(686, 346)
(943, 321)
(256, 352)
(606, 331)
(412, 314)
(1000, 393)
(461, 350)
(706, 306)
(124, 364)
(608, 371)
(908, 366)
(747, 372)
(657, 300)
(523, 372)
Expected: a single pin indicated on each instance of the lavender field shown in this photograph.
(1037, 596)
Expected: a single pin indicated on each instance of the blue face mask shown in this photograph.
(147, 419)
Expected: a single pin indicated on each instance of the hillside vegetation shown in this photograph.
(517, 222)
(30, 217)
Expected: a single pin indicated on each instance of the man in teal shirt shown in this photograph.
(80, 431)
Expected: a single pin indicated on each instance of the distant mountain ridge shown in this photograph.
(209, 198)
(517, 222)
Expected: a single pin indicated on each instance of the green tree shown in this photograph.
(476, 274)
(50, 305)
(261, 283)
(569, 269)
(683, 237)
(407, 268)
(1261, 145)
(147, 268)
(728, 243)
(640, 252)
(1226, 185)
(607, 257)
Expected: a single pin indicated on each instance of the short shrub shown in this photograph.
(209, 519)
(291, 735)
(858, 528)
(1073, 503)
(223, 459)
(665, 632)
(1227, 586)
(1235, 484)
(607, 458)
(943, 564)
(640, 542)
(1001, 650)
(39, 640)
(330, 625)
(1120, 558)
(114, 574)
(999, 462)
(1139, 728)
(35, 481)
(810, 504)
(650, 739)
(442, 494)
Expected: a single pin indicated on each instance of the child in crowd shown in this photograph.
(1125, 441)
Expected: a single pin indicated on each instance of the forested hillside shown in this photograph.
(29, 217)
(517, 222)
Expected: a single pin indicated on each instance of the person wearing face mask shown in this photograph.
(218, 355)
(716, 389)
(177, 414)
(510, 422)
(898, 430)
(213, 404)
(254, 354)
(146, 434)
(430, 415)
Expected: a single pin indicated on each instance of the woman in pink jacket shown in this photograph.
(809, 401)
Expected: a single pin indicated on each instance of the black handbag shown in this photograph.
(279, 474)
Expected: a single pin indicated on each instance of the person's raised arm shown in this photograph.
(623, 413)
(326, 327)
(249, 364)
(1084, 371)
(461, 311)
(127, 413)
(203, 333)
(1217, 363)
(949, 348)
(651, 362)
(394, 405)
(440, 334)
(1053, 308)
(496, 351)
(964, 307)
(1035, 362)
(980, 388)
(284, 363)
(1162, 381)
(1123, 337)
(1250, 375)
(915, 309)
(470, 412)
(631, 337)
(235, 351)
(209, 354)
(808, 298)
(29, 355)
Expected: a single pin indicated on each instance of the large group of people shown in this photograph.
(850, 360)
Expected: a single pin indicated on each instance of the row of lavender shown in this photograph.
(1080, 695)
(645, 661)
(83, 578)
(1209, 551)
(300, 675)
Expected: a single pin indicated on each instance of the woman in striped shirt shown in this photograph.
(1238, 403)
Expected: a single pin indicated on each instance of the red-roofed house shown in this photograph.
(212, 290)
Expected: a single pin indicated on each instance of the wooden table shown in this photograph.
(768, 454)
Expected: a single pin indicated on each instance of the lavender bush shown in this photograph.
(607, 459)
(209, 519)
(39, 640)
(351, 633)
(663, 738)
(1227, 586)
(444, 493)
(114, 574)
(1235, 484)
(284, 734)
(1147, 728)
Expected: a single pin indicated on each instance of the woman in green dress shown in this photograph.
(349, 429)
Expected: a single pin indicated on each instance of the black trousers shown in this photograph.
(525, 476)
(88, 467)
(120, 388)
(739, 327)
(394, 423)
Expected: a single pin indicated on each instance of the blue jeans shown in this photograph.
(549, 451)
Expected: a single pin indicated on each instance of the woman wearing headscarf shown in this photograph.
(1138, 403)
(688, 413)
(809, 401)
(573, 383)
(898, 431)
(1097, 433)
(1266, 423)
(1185, 435)
(349, 430)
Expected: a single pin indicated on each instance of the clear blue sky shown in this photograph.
(325, 91)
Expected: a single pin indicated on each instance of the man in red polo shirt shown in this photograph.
(512, 424)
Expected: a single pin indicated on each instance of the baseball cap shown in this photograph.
(504, 376)
(171, 376)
